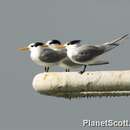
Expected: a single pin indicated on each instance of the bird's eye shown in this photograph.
(32, 45)
(68, 43)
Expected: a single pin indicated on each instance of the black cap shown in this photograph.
(55, 42)
(74, 42)
(38, 44)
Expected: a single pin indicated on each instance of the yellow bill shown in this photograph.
(60, 46)
(44, 45)
(23, 49)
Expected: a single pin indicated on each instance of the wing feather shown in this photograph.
(50, 56)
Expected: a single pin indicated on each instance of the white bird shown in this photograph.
(66, 62)
(87, 54)
(44, 56)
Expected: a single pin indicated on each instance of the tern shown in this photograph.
(66, 62)
(44, 56)
(85, 54)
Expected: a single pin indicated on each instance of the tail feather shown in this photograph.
(110, 45)
(98, 62)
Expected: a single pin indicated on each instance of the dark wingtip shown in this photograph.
(125, 35)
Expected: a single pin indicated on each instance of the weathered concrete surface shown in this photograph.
(73, 84)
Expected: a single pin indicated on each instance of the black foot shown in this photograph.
(81, 72)
(67, 70)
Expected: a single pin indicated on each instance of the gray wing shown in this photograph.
(86, 53)
(69, 63)
(48, 55)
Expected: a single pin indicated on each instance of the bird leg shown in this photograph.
(67, 70)
(47, 69)
(82, 71)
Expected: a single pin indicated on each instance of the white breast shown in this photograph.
(35, 53)
(71, 52)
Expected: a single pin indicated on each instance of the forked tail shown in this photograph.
(110, 45)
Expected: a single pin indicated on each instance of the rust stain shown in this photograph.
(51, 74)
(45, 76)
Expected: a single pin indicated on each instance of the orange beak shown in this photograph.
(23, 49)
(60, 46)
(44, 45)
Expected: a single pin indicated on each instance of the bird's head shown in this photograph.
(55, 45)
(72, 44)
(33, 46)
